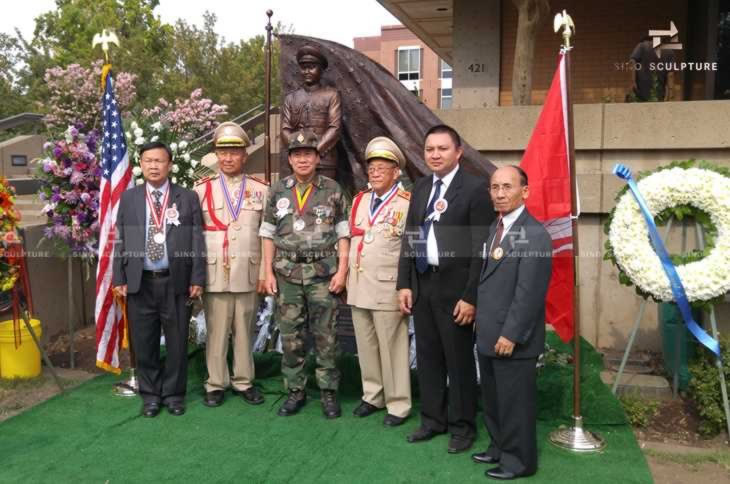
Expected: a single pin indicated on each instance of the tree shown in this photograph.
(12, 100)
(530, 12)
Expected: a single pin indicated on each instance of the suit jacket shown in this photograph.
(184, 242)
(512, 290)
(244, 243)
(371, 283)
(460, 233)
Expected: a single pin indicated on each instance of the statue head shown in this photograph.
(311, 64)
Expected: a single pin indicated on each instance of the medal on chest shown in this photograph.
(234, 208)
(301, 204)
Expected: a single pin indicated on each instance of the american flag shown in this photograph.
(116, 177)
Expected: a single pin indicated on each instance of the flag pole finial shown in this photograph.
(564, 21)
(104, 38)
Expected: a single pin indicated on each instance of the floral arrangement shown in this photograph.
(179, 125)
(69, 176)
(9, 218)
(74, 99)
(698, 190)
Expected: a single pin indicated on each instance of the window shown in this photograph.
(409, 63)
(446, 71)
(18, 160)
(446, 96)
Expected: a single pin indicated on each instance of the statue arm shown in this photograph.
(332, 134)
(286, 127)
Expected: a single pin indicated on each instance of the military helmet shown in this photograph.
(309, 53)
(385, 149)
(303, 139)
(230, 135)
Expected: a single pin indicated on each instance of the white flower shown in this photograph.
(128, 134)
(186, 156)
(134, 125)
(183, 144)
(156, 126)
(173, 146)
(138, 132)
(174, 179)
(136, 171)
(175, 168)
(140, 141)
(154, 138)
(190, 172)
(194, 163)
(139, 181)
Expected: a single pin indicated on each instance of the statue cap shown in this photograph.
(309, 53)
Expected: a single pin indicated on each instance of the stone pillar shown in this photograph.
(476, 53)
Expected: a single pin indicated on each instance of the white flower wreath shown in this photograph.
(704, 189)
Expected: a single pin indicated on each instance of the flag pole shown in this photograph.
(267, 98)
(574, 438)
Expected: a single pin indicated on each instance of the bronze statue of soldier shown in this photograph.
(314, 107)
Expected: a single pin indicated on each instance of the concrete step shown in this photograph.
(637, 362)
(649, 386)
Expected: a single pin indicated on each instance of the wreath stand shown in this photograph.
(713, 324)
(23, 307)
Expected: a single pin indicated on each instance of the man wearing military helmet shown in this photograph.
(232, 204)
(314, 107)
(377, 222)
(306, 243)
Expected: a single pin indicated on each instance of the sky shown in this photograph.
(241, 19)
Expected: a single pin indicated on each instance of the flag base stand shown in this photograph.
(128, 388)
(577, 439)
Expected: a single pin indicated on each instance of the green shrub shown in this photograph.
(639, 411)
(704, 389)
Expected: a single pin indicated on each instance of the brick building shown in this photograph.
(411, 61)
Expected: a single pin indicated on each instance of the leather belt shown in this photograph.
(156, 274)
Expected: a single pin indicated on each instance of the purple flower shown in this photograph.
(56, 197)
(85, 197)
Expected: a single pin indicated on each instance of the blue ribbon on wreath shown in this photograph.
(680, 296)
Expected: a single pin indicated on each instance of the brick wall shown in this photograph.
(612, 29)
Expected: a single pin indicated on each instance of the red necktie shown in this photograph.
(498, 235)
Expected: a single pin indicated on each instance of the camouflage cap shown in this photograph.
(385, 149)
(309, 53)
(303, 139)
(230, 135)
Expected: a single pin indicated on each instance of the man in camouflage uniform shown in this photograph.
(377, 224)
(306, 243)
(232, 204)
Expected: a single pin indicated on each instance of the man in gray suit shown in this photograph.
(159, 267)
(510, 326)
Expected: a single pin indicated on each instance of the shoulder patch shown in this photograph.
(263, 182)
(404, 194)
(205, 179)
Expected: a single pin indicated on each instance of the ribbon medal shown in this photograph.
(299, 225)
(498, 253)
(282, 206)
(158, 217)
(301, 200)
(233, 212)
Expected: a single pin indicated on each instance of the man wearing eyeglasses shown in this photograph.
(377, 222)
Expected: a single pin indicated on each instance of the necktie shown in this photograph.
(376, 203)
(497, 236)
(155, 251)
(421, 258)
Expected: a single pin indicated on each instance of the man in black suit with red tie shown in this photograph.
(438, 273)
(510, 325)
(159, 267)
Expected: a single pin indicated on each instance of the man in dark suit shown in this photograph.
(510, 326)
(159, 267)
(438, 272)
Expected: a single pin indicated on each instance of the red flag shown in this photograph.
(547, 166)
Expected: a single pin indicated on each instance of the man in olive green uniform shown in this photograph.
(306, 243)
(232, 205)
(377, 223)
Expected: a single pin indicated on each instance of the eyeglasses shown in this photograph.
(379, 169)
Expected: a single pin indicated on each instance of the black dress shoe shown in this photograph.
(213, 399)
(330, 405)
(499, 473)
(293, 403)
(421, 435)
(252, 395)
(176, 408)
(393, 421)
(150, 410)
(459, 444)
(484, 458)
(364, 409)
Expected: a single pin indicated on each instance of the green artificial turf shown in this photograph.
(89, 435)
